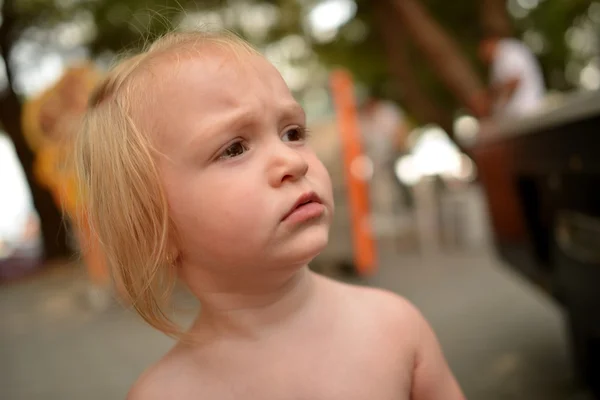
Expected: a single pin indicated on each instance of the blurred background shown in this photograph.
(469, 126)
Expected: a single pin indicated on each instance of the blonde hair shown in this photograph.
(121, 196)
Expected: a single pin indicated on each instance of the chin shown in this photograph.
(305, 246)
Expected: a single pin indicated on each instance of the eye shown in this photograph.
(234, 150)
(296, 134)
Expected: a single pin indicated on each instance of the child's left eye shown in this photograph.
(234, 150)
(296, 134)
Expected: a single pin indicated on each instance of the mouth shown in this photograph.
(305, 201)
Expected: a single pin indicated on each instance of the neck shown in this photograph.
(250, 306)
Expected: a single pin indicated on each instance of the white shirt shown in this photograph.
(514, 60)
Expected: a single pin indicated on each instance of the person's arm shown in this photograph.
(432, 378)
(480, 104)
(503, 91)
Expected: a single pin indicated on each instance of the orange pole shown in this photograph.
(342, 87)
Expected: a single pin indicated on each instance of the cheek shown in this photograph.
(320, 176)
(214, 209)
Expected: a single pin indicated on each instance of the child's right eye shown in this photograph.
(234, 150)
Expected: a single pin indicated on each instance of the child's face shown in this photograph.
(235, 163)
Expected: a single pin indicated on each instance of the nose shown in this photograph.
(286, 165)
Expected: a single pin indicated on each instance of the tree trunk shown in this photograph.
(416, 101)
(444, 55)
(494, 18)
(53, 231)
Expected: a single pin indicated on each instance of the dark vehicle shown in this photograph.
(541, 174)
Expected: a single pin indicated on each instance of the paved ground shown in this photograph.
(502, 338)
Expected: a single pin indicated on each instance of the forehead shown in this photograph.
(223, 73)
(197, 84)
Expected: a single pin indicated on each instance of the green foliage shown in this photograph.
(553, 18)
(125, 24)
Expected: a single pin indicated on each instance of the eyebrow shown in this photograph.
(291, 110)
(238, 119)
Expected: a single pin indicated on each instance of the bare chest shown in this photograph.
(354, 374)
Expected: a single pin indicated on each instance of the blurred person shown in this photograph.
(384, 134)
(516, 79)
(50, 122)
(194, 161)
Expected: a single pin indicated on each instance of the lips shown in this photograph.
(303, 201)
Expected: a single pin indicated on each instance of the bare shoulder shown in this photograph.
(155, 383)
(384, 304)
(392, 316)
(382, 307)
(389, 303)
(167, 379)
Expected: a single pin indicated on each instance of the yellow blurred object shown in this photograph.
(50, 121)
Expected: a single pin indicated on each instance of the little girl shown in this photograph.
(194, 164)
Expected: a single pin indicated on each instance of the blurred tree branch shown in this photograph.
(444, 55)
(494, 18)
(412, 95)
